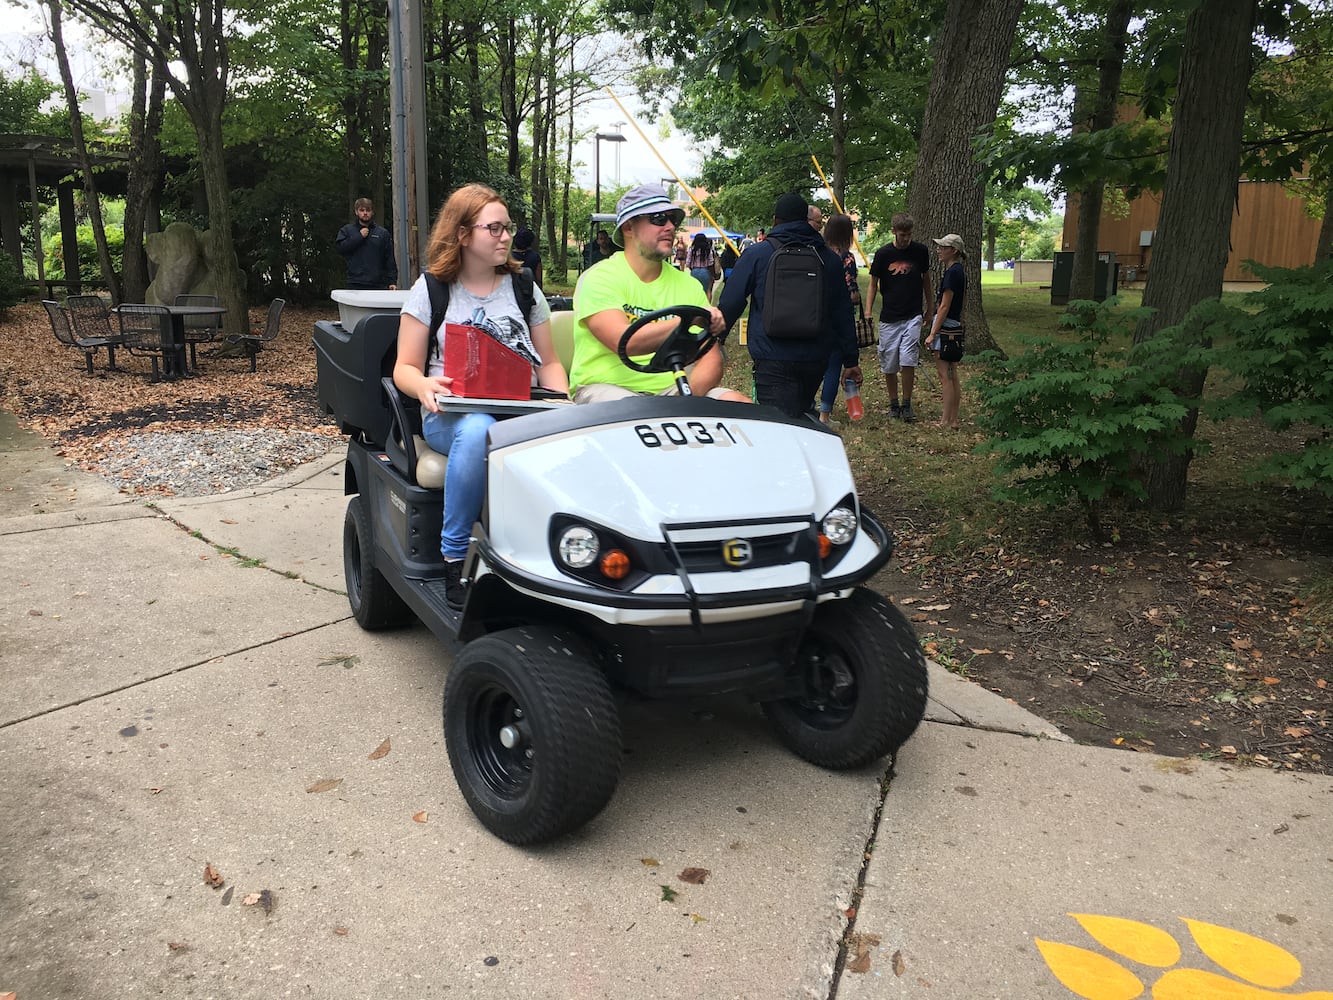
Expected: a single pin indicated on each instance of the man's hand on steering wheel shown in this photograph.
(690, 340)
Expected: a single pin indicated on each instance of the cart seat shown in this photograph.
(430, 465)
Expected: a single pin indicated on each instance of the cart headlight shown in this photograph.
(839, 525)
(578, 546)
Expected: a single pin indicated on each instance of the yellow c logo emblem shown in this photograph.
(737, 552)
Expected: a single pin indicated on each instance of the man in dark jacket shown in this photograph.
(368, 249)
(788, 372)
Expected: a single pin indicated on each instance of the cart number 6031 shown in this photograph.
(671, 435)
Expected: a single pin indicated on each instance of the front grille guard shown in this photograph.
(809, 546)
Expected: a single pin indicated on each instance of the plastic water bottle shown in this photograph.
(851, 394)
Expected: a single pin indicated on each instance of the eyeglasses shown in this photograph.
(675, 217)
(497, 229)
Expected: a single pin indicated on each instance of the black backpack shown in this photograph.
(524, 294)
(794, 291)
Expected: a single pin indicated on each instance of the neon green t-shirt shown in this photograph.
(611, 284)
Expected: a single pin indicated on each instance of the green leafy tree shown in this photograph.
(21, 98)
(1283, 355)
(1071, 418)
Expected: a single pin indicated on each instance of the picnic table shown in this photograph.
(172, 329)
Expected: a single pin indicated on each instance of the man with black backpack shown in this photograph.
(800, 312)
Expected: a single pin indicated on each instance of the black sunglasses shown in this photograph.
(675, 217)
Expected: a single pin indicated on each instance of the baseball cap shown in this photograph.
(790, 207)
(643, 200)
(523, 239)
(952, 240)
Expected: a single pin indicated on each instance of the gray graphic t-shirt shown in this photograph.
(497, 314)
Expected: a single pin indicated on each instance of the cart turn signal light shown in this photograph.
(825, 546)
(614, 564)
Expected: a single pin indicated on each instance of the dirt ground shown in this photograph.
(1206, 638)
(1203, 642)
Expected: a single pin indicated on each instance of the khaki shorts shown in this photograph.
(899, 345)
(604, 392)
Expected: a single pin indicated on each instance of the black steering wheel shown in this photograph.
(684, 345)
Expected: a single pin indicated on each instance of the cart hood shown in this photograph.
(636, 464)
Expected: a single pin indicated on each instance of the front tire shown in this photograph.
(374, 603)
(532, 733)
(865, 685)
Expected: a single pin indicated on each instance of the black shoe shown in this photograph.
(895, 411)
(454, 591)
(906, 415)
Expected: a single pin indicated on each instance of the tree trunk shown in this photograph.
(377, 114)
(1110, 67)
(145, 172)
(947, 194)
(1198, 197)
(85, 162)
(1324, 247)
(349, 49)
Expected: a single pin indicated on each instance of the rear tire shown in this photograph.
(532, 732)
(865, 685)
(375, 604)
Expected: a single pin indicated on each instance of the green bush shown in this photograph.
(1283, 356)
(1072, 419)
(89, 268)
(11, 283)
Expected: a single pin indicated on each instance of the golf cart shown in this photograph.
(675, 546)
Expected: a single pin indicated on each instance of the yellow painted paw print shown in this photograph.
(1260, 967)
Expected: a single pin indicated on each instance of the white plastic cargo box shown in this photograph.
(355, 304)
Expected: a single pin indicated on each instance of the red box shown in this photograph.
(482, 367)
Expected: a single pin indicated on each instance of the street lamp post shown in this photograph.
(598, 139)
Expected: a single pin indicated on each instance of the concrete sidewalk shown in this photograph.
(183, 686)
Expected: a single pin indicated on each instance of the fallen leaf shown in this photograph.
(226, 520)
(212, 877)
(649, 862)
(1321, 683)
(1270, 681)
(420, 817)
(668, 894)
(919, 618)
(1227, 749)
(1241, 643)
(694, 876)
(264, 899)
(171, 945)
(698, 919)
(327, 785)
(936, 607)
(346, 660)
(9, 996)
(899, 966)
(981, 652)
(380, 751)
(858, 950)
(1295, 732)
(340, 931)
(32, 613)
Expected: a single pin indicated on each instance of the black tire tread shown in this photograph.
(375, 604)
(882, 648)
(554, 677)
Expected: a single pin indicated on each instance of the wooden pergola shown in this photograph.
(29, 163)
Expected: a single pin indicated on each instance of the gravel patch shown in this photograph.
(204, 463)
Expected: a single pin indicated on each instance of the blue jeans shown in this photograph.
(461, 436)
(828, 395)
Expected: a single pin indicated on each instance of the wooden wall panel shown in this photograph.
(1270, 225)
